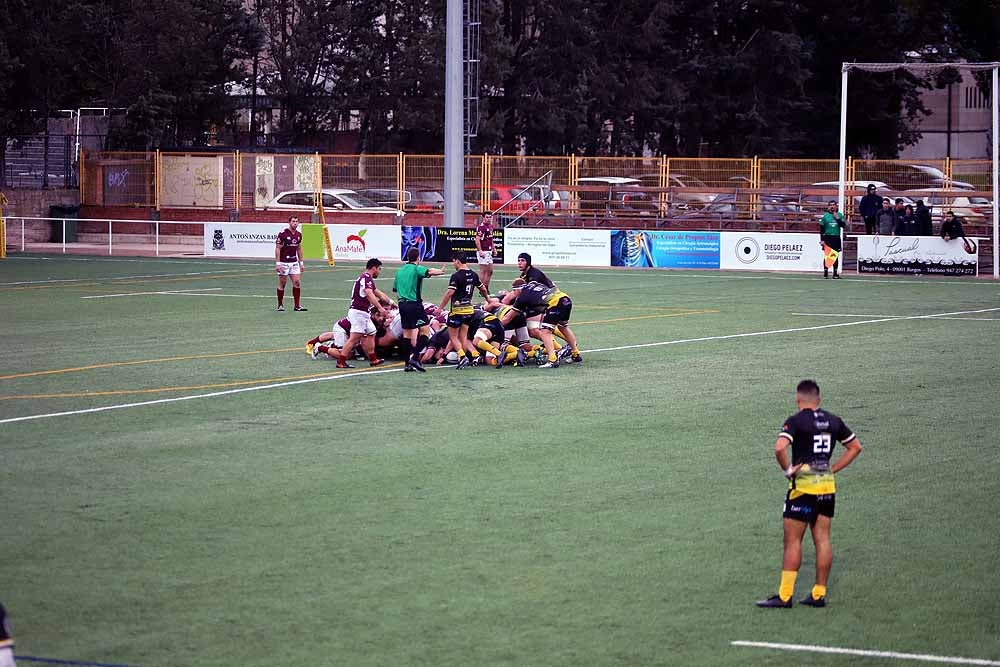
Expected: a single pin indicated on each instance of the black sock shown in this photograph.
(405, 348)
(419, 347)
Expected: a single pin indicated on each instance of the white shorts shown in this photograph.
(361, 322)
(6, 657)
(519, 334)
(484, 256)
(339, 336)
(396, 326)
(288, 268)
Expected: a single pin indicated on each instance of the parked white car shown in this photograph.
(335, 200)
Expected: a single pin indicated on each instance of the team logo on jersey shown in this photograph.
(218, 240)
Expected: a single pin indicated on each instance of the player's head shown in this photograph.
(374, 267)
(458, 258)
(807, 394)
(487, 217)
(523, 261)
(293, 222)
(518, 283)
(413, 254)
(831, 205)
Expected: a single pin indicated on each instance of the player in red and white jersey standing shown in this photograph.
(288, 261)
(365, 297)
(485, 250)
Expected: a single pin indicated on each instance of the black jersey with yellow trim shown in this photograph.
(814, 434)
(464, 282)
(517, 321)
(535, 275)
(533, 299)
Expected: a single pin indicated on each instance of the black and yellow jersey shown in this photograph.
(814, 434)
(465, 282)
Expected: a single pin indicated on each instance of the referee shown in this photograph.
(412, 315)
(829, 234)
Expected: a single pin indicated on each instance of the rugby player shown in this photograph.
(288, 261)
(459, 293)
(364, 296)
(485, 250)
(812, 434)
(485, 329)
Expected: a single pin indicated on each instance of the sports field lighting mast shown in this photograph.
(924, 67)
(454, 125)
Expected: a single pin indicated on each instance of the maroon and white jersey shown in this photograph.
(344, 324)
(484, 232)
(289, 242)
(359, 298)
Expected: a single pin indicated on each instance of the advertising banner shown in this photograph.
(668, 250)
(438, 243)
(917, 254)
(563, 247)
(761, 251)
(243, 239)
(362, 242)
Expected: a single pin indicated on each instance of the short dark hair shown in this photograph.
(458, 256)
(899, 200)
(413, 254)
(886, 200)
(293, 217)
(373, 262)
(808, 388)
(832, 201)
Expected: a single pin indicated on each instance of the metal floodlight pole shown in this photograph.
(454, 124)
(996, 176)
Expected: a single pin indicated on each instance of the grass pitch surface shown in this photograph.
(625, 511)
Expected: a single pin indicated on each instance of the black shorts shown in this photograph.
(807, 507)
(832, 241)
(494, 327)
(455, 321)
(558, 314)
(412, 315)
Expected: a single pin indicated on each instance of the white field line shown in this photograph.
(703, 339)
(113, 278)
(900, 317)
(196, 289)
(244, 296)
(893, 655)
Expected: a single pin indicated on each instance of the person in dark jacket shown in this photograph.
(951, 228)
(924, 225)
(869, 208)
(906, 224)
(886, 218)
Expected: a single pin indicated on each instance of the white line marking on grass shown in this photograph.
(922, 657)
(702, 339)
(901, 317)
(182, 292)
(255, 296)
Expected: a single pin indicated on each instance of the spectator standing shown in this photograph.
(906, 224)
(886, 218)
(924, 225)
(830, 226)
(869, 208)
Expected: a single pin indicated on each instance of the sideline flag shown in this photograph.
(829, 256)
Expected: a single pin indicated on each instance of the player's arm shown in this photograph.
(434, 272)
(852, 448)
(484, 292)
(373, 299)
(277, 252)
(302, 261)
(479, 243)
(781, 454)
(447, 296)
(383, 297)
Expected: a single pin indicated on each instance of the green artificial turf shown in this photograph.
(625, 511)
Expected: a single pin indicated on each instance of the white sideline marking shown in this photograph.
(702, 339)
(112, 296)
(922, 657)
(247, 296)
